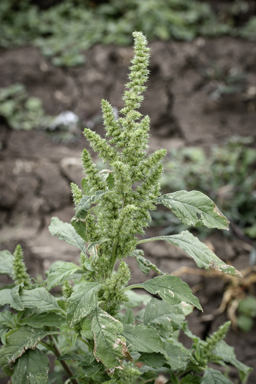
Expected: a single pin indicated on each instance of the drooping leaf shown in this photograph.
(17, 342)
(82, 302)
(226, 353)
(145, 265)
(57, 274)
(66, 232)
(178, 356)
(212, 376)
(80, 227)
(39, 320)
(11, 297)
(109, 346)
(165, 317)
(31, 368)
(6, 263)
(142, 338)
(201, 254)
(171, 289)
(194, 208)
(40, 299)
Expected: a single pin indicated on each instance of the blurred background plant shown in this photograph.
(227, 175)
(64, 30)
(19, 110)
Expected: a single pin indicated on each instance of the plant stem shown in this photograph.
(66, 368)
(113, 257)
(133, 287)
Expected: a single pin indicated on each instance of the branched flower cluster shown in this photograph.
(19, 268)
(124, 210)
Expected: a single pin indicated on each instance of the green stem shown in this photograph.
(134, 286)
(47, 346)
(113, 257)
(65, 366)
(147, 240)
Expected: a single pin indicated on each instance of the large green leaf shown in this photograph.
(226, 353)
(6, 263)
(31, 368)
(178, 356)
(165, 317)
(11, 297)
(201, 254)
(171, 289)
(212, 376)
(194, 208)
(39, 320)
(142, 338)
(58, 274)
(17, 342)
(109, 346)
(40, 299)
(82, 302)
(66, 232)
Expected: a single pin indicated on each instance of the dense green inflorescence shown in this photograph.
(124, 208)
(19, 268)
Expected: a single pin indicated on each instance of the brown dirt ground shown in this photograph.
(36, 172)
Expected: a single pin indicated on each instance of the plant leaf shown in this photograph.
(171, 289)
(165, 317)
(226, 353)
(194, 208)
(143, 339)
(191, 379)
(66, 232)
(145, 265)
(39, 320)
(153, 360)
(31, 368)
(212, 376)
(11, 297)
(201, 254)
(57, 275)
(109, 346)
(40, 299)
(85, 204)
(17, 342)
(6, 263)
(80, 227)
(128, 318)
(178, 356)
(82, 302)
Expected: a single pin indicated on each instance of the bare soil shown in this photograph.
(35, 172)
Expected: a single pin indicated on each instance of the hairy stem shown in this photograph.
(65, 366)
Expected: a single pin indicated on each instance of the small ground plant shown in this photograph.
(91, 328)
